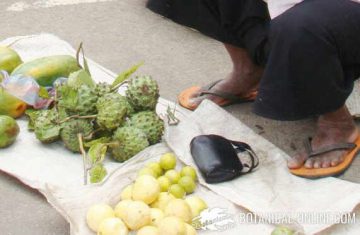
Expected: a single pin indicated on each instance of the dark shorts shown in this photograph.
(311, 53)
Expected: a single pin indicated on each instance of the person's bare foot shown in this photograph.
(242, 81)
(332, 128)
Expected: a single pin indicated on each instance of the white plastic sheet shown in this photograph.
(57, 173)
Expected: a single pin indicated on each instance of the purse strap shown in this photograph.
(244, 147)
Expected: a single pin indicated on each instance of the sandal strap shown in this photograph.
(327, 149)
(207, 90)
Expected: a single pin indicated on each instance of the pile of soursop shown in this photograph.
(95, 117)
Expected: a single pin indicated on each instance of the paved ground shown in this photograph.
(117, 34)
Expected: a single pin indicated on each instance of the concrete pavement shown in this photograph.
(118, 34)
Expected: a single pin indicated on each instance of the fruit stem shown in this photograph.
(82, 150)
(79, 117)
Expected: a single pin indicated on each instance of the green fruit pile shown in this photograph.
(148, 207)
(86, 113)
(178, 183)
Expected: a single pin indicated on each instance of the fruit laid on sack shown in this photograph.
(112, 110)
(168, 161)
(146, 210)
(128, 141)
(94, 117)
(70, 131)
(77, 101)
(45, 127)
(180, 209)
(197, 205)
(98, 213)
(9, 59)
(137, 215)
(148, 230)
(150, 123)
(112, 226)
(143, 93)
(146, 188)
(172, 226)
(9, 130)
(281, 230)
(10, 105)
(46, 70)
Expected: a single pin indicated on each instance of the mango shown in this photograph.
(9, 130)
(9, 59)
(10, 105)
(46, 70)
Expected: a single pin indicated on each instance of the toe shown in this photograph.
(297, 161)
(317, 163)
(326, 163)
(335, 162)
(309, 163)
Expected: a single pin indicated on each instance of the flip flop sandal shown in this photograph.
(353, 150)
(227, 98)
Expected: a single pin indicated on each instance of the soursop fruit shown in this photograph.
(77, 101)
(70, 131)
(143, 93)
(112, 110)
(129, 109)
(45, 125)
(150, 123)
(128, 142)
(102, 88)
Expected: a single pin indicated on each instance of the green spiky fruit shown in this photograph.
(129, 109)
(143, 93)
(130, 141)
(70, 131)
(77, 101)
(102, 88)
(46, 128)
(111, 111)
(150, 123)
(97, 173)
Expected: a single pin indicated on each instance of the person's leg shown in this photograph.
(242, 27)
(242, 80)
(332, 128)
(310, 71)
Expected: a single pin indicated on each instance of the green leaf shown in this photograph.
(69, 96)
(101, 140)
(49, 133)
(97, 173)
(125, 75)
(80, 77)
(97, 153)
(43, 93)
(32, 115)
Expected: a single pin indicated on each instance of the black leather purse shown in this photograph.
(217, 158)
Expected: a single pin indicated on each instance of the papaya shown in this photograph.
(46, 70)
(9, 59)
(10, 105)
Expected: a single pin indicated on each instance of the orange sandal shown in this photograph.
(227, 98)
(353, 150)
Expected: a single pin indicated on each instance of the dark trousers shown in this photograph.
(311, 53)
